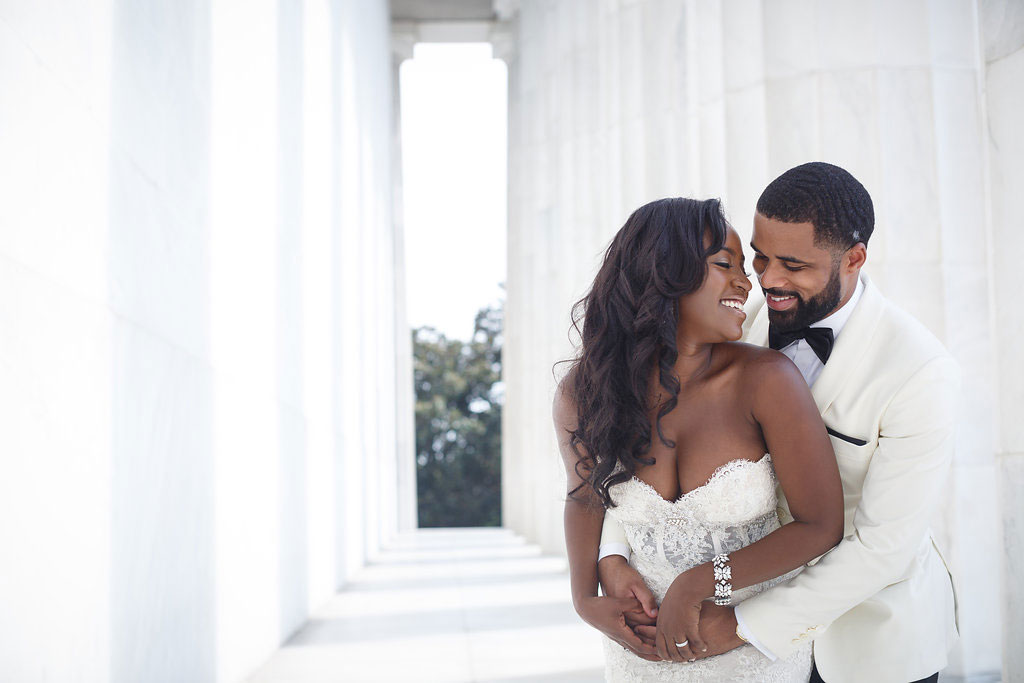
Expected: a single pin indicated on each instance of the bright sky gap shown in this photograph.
(454, 151)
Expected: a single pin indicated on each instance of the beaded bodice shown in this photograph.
(733, 509)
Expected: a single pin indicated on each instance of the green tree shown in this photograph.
(458, 424)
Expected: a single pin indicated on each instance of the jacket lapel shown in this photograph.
(848, 352)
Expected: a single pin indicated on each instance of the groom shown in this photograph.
(880, 605)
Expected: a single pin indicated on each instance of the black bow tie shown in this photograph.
(820, 339)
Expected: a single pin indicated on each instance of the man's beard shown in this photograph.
(806, 313)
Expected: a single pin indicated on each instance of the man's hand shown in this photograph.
(619, 580)
(717, 628)
(608, 615)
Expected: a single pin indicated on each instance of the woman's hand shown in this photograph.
(677, 635)
(608, 615)
(620, 580)
(717, 626)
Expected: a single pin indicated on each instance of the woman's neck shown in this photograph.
(693, 360)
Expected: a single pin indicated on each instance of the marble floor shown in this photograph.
(446, 605)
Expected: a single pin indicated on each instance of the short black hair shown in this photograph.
(826, 196)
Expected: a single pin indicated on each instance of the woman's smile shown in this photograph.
(735, 305)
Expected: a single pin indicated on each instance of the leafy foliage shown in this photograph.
(458, 424)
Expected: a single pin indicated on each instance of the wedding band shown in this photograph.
(682, 644)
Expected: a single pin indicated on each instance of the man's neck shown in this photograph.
(843, 303)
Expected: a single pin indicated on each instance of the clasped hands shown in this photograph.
(630, 616)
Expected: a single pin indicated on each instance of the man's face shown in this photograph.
(802, 282)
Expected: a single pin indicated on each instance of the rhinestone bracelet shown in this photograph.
(723, 579)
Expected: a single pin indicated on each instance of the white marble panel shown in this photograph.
(908, 205)
(901, 32)
(712, 149)
(953, 33)
(849, 122)
(71, 44)
(633, 57)
(295, 554)
(528, 57)
(1011, 504)
(710, 67)
(56, 402)
(917, 288)
(746, 160)
(792, 122)
(244, 188)
(658, 46)
(790, 39)
(846, 33)
(1005, 101)
(247, 537)
(960, 167)
(159, 246)
(742, 44)
(634, 181)
(974, 520)
(965, 295)
(163, 547)
(53, 178)
(665, 154)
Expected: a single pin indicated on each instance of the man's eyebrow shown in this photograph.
(787, 259)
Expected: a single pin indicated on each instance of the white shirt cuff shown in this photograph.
(744, 632)
(607, 549)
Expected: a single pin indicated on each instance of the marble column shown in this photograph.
(402, 43)
(1003, 53)
(200, 329)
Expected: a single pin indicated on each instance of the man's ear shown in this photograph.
(855, 257)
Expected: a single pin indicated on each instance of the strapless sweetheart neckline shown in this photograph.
(719, 471)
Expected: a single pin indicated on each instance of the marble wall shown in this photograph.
(1003, 53)
(615, 103)
(201, 407)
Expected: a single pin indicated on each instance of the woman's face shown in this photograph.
(714, 313)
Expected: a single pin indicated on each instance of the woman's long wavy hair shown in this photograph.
(629, 323)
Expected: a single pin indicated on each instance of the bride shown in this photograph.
(681, 434)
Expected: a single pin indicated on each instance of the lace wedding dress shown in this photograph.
(735, 508)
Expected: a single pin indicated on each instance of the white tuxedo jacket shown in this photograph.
(880, 606)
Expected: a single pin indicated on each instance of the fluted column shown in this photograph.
(402, 43)
(1003, 54)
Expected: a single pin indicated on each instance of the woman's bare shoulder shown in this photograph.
(757, 364)
(563, 408)
(742, 352)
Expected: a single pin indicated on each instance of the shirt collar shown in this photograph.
(838, 319)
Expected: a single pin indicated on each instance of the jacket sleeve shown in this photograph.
(901, 489)
(613, 538)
